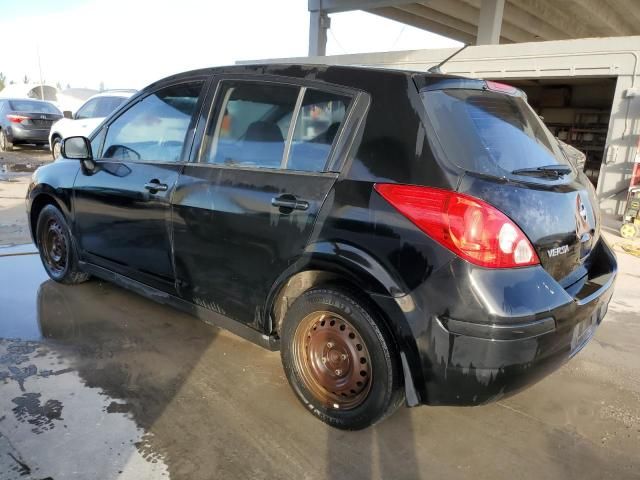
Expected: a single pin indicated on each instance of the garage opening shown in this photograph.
(576, 110)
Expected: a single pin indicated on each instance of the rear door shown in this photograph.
(122, 207)
(245, 210)
(513, 162)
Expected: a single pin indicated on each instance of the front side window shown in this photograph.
(252, 124)
(88, 109)
(155, 128)
(106, 106)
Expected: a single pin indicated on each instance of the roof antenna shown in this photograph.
(437, 69)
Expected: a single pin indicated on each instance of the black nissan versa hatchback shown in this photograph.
(399, 236)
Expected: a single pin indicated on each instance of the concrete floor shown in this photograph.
(98, 383)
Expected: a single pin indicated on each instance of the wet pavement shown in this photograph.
(99, 383)
(15, 172)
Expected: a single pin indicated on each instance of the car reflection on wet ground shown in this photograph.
(99, 383)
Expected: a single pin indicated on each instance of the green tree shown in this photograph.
(3, 80)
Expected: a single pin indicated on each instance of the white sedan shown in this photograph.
(87, 118)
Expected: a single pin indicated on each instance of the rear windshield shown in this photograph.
(30, 106)
(490, 133)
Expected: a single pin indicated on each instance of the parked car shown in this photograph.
(88, 117)
(25, 121)
(399, 236)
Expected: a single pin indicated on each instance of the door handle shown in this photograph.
(155, 186)
(287, 203)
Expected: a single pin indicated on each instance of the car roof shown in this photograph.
(17, 99)
(301, 71)
(123, 93)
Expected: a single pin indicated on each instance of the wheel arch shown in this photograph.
(368, 281)
(38, 202)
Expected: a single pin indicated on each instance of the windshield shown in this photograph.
(33, 107)
(490, 133)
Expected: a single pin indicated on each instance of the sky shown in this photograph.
(131, 43)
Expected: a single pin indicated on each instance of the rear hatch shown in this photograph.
(36, 115)
(512, 161)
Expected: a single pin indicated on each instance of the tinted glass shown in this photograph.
(318, 123)
(490, 133)
(29, 106)
(154, 129)
(106, 106)
(88, 109)
(96, 142)
(252, 124)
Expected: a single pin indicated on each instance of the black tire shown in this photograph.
(5, 144)
(384, 392)
(56, 146)
(57, 248)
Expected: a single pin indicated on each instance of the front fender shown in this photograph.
(52, 182)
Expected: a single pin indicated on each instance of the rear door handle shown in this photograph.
(289, 202)
(155, 186)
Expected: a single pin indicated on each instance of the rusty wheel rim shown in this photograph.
(54, 247)
(333, 360)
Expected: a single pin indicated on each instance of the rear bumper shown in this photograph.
(20, 134)
(481, 335)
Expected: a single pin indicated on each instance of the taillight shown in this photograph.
(16, 118)
(635, 175)
(500, 87)
(469, 227)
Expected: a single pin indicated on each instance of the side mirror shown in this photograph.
(77, 148)
(67, 114)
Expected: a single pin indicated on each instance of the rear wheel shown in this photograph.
(56, 247)
(339, 361)
(5, 144)
(628, 230)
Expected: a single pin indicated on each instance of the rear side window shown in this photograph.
(268, 125)
(320, 118)
(29, 106)
(155, 128)
(490, 133)
(252, 124)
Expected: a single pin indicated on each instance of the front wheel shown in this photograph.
(5, 144)
(340, 362)
(56, 247)
(56, 148)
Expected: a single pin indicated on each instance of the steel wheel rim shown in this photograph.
(54, 247)
(333, 360)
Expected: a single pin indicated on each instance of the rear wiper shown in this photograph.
(552, 171)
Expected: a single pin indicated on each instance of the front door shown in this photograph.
(122, 207)
(246, 210)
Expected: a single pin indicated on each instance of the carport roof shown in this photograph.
(521, 20)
